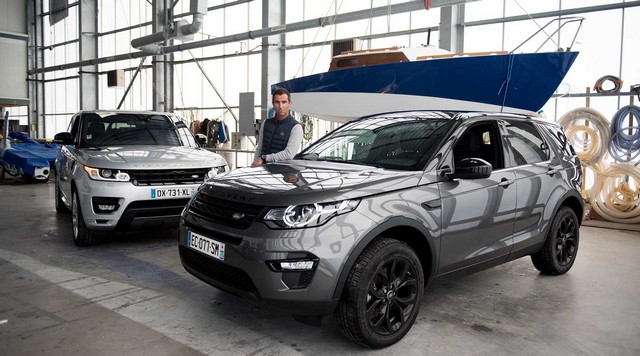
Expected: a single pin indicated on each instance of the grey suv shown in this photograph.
(123, 170)
(365, 218)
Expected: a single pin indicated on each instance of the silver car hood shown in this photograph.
(299, 181)
(149, 157)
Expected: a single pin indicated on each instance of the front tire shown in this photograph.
(561, 246)
(60, 206)
(382, 295)
(81, 235)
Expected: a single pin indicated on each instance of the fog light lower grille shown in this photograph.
(293, 265)
(103, 205)
(297, 270)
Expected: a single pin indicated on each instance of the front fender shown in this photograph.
(421, 241)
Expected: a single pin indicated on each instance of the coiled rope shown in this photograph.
(593, 138)
(617, 84)
(625, 139)
(615, 194)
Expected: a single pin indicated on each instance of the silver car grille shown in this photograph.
(168, 177)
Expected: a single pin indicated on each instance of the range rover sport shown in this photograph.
(127, 170)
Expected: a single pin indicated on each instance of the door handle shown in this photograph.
(430, 205)
(504, 182)
(552, 171)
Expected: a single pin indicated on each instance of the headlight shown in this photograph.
(296, 216)
(215, 171)
(106, 174)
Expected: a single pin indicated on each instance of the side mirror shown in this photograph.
(63, 138)
(472, 168)
(201, 140)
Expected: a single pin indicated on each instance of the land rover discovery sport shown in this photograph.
(361, 221)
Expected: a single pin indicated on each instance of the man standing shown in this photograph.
(280, 137)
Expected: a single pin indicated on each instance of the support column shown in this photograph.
(168, 82)
(88, 48)
(452, 28)
(159, 64)
(35, 60)
(273, 14)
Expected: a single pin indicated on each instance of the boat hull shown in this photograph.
(516, 83)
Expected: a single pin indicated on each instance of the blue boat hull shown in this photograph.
(519, 83)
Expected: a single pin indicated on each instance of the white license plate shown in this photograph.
(163, 193)
(206, 245)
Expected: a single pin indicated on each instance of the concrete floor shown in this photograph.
(131, 296)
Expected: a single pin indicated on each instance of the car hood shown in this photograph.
(300, 181)
(149, 157)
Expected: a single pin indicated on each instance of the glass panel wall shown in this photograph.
(210, 88)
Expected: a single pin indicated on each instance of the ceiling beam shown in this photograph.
(408, 6)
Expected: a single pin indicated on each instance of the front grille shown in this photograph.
(168, 177)
(216, 235)
(217, 271)
(225, 212)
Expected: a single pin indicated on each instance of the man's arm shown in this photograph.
(293, 146)
(259, 144)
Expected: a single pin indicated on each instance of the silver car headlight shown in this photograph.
(215, 171)
(107, 174)
(309, 215)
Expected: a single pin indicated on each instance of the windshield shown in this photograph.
(128, 129)
(393, 142)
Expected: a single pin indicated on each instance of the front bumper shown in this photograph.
(238, 283)
(245, 271)
(136, 206)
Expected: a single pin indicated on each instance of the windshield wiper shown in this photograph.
(308, 157)
(364, 164)
(359, 163)
(92, 146)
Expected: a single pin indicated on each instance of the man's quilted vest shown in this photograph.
(276, 134)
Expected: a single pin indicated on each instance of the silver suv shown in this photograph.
(365, 218)
(122, 170)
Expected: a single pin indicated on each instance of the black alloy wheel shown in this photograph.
(382, 294)
(561, 246)
(566, 241)
(392, 295)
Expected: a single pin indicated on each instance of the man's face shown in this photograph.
(282, 104)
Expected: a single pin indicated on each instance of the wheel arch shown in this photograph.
(73, 187)
(403, 229)
(575, 203)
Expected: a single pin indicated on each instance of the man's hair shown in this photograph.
(281, 91)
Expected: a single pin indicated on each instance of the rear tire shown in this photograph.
(561, 246)
(382, 295)
(81, 235)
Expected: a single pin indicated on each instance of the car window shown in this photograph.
(559, 138)
(403, 143)
(128, 129)
(185, 135)
(480, 141)
(71, 123)
(526, 143)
